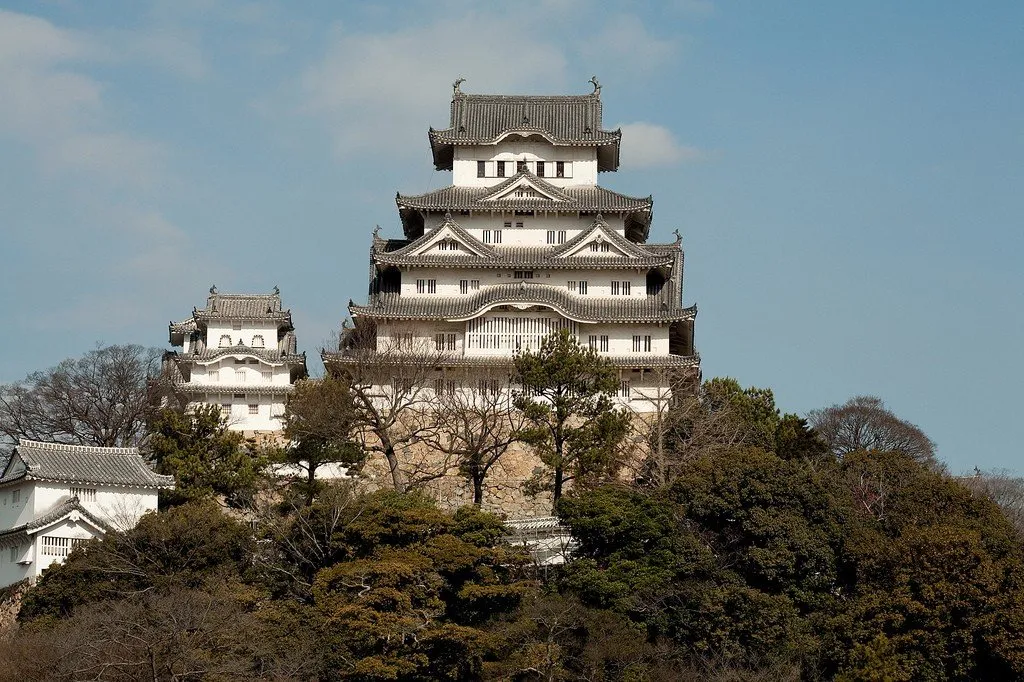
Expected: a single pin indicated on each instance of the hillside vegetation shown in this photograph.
(747, 546)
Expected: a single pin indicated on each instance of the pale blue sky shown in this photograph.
(848, 177)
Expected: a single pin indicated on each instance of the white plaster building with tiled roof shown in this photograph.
(239, 352)
(54, 497)
(525, 242)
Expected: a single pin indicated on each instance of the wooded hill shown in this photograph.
(752, 546)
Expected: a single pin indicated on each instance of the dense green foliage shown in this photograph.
(754, 553)
(204, 456)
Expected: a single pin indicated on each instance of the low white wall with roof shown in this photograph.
(121, 507)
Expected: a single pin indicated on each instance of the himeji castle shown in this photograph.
(239, 352)
(525, 242)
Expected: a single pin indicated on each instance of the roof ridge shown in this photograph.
(71, 447)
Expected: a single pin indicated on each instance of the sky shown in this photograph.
(848, 177)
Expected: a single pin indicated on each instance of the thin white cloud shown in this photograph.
(646, 145)
(376, 90)
(53, 106)
(625, 45)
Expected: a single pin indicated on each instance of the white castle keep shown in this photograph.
(239, 352)
(525, 242)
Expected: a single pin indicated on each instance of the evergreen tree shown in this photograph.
(567, 395)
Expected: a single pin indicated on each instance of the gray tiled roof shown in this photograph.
(221, 389)
(233, 307)
(580, 308)
(270, 355)
(61, 510)
(81, 464)
(395, 252)
(244, 306)
(585, 198)
(564, 120)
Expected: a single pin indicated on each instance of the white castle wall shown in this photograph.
(583, 162)
(599, 282)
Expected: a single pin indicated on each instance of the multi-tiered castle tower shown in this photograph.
(526, 242)
(239, 352)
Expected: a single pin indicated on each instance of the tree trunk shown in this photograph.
(310, 483)
(559, 475)
(397, 479)
(478, 489)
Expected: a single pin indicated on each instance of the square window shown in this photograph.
(520, 166)
(254, 409)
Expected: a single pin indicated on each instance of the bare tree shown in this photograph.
(318, 422)
(1003, 488)
(392, 395)
(865, 423)
(101, 398)
(687, 423)
(476, 426)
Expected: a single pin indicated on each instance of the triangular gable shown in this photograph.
(525, 186)
(77, 517)
(15, 468)
(449, 230)
(600, 232)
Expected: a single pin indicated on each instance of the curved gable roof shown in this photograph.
(60, 462)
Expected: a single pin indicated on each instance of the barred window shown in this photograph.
(501, 168)
(647, 344)
(559, 169)
(481, 169)
(636, 343)
(254, 409)
(540, 169)
(523, 274)
(520, 166)
(592, 342)
(463, 286)
(474, 284)
(444, 341)
(84, 494)
(624, 388)
(551, 236)
(561, 236)
(604, 343)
